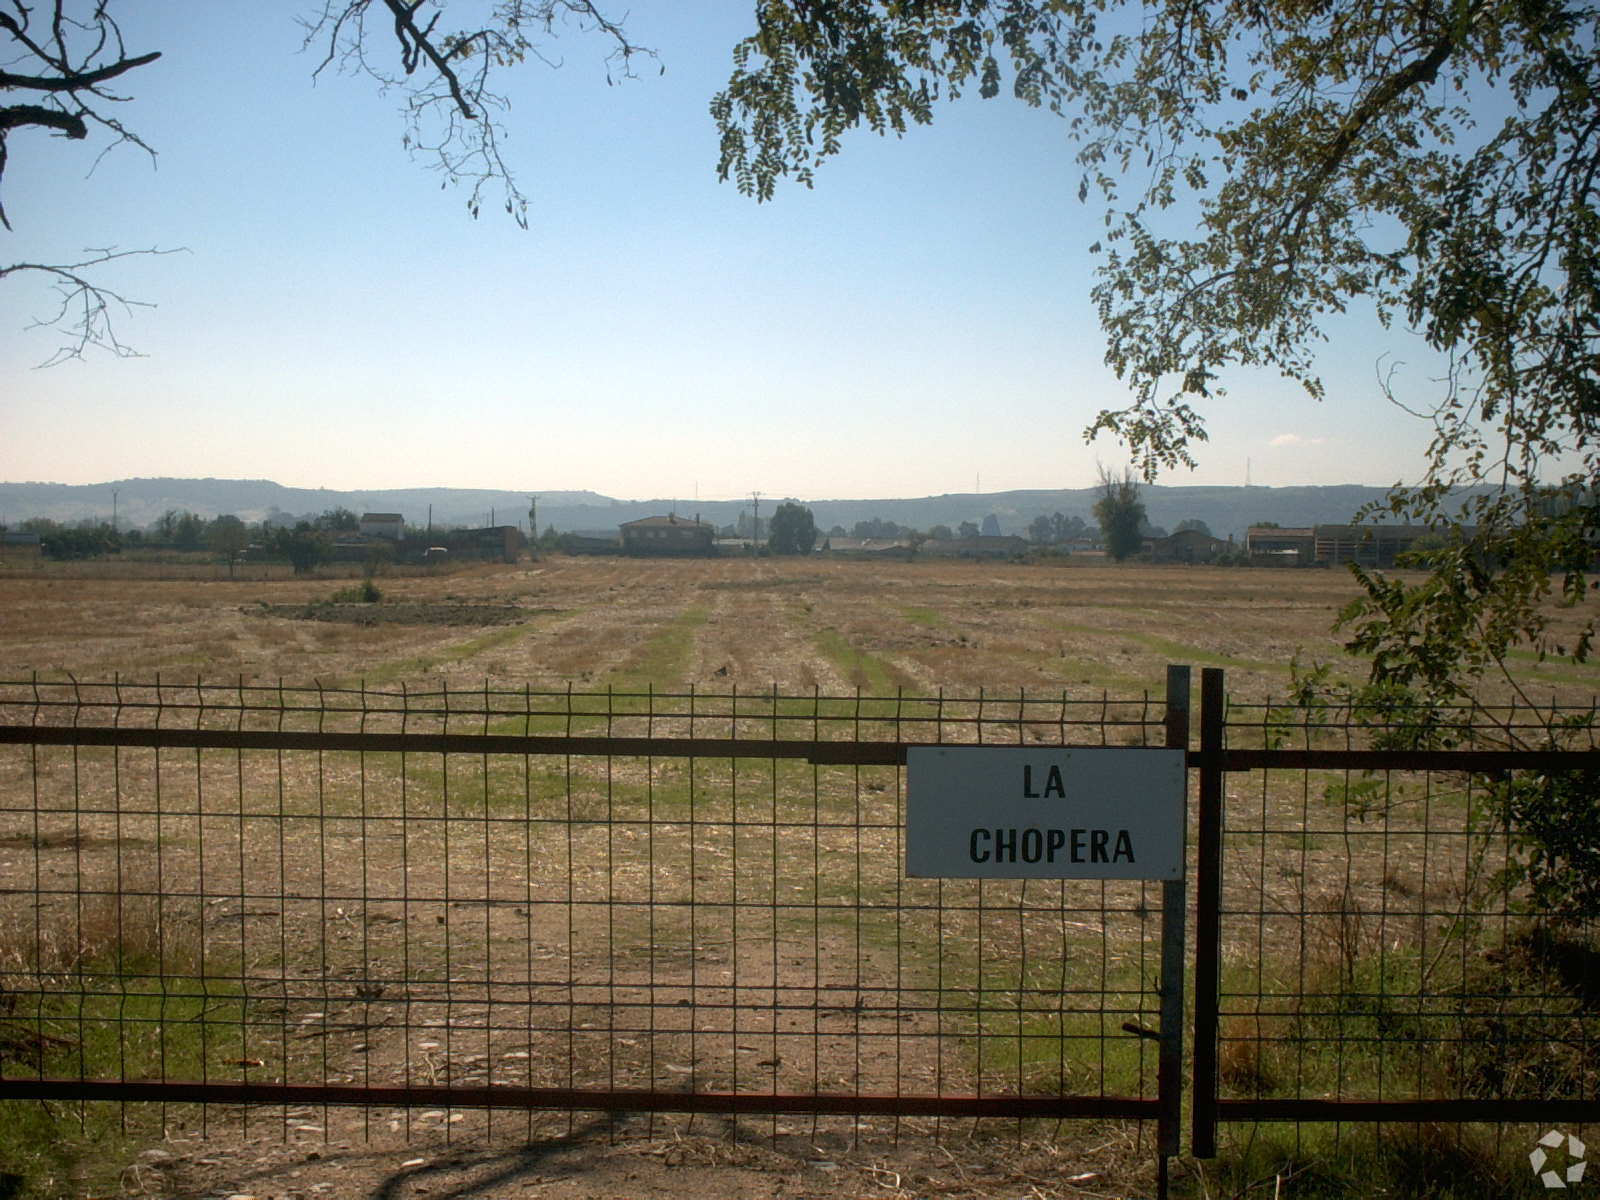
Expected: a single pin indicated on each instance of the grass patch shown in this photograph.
(870, 675)
(1388, 1022)
(662, 661)
(110, 988)
(1174, 651)
(1324, 1162)
(1042, 1038)
(926, 617)
(452, 654)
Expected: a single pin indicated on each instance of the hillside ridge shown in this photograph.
(1226, 510)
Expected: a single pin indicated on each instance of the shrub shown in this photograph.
(365, 592)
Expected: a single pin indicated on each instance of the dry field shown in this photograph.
(383, 920)
(716, 625)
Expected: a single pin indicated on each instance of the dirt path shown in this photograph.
(597, 1159)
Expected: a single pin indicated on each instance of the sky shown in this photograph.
(917, 324)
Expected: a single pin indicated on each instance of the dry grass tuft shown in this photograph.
(132, 930)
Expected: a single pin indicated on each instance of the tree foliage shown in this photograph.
(792, 530)
(1435, 161)
(877, 527)
(305, 546)
(87, 539)
(337, 520)
(1056, 528)
(1121, 514)
(179, 529)
(228, 537)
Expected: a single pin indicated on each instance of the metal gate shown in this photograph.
(515, 900)
(695, 903)
(1365, 950)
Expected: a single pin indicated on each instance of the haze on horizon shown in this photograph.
(917, 325)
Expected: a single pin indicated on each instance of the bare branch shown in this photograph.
(86, 310)
(448, 78)
(415, 42)
(65, 71)
(76, 80)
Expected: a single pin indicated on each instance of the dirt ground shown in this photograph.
(833, 627)
(597, 1159)
(714, 624)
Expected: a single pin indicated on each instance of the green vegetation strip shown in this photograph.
(1175, 651)
(663, 661)
(865, 671)
(421, 665)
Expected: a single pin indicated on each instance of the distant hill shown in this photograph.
(140, 502)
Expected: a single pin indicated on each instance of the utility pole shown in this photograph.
(113, 510)
(755, 521)
(533, 526)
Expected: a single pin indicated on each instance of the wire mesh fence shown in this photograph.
(510, 899)
(1405, 914)
(420, 901)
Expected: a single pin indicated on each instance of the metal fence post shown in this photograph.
(1169, 1076)
(1208, 916)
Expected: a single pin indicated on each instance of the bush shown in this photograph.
(365, 592)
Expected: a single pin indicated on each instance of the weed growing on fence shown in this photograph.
(1331, 1162)
(111, 985)
(1461, 1016)
(1078, 1020)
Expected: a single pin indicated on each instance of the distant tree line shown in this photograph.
(307, 542)
(304, 544)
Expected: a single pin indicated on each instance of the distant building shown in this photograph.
(668, 535)
(1370, 545)
(1189, 546)
(382, 525)
(1331, 545)
(1271, 546)
(985, 545)
(854, 547)
(494, 543)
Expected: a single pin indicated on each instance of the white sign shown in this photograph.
(1017, 812)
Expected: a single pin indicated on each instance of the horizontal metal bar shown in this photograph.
(820, 752)
(601, 1100)
(1480, 761)
(1507, 1112)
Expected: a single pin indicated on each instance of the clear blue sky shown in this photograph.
(917, 324)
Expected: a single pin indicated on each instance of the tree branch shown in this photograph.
(405, 24)
(1417, 72)
(75, 80)
(87, 305)
(19, 115)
